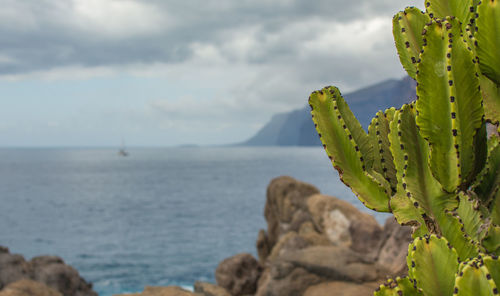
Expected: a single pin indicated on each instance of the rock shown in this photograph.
(333, 263)
(208, 289)
(163, 291)
(286, 207)
(263, 248)
(12, 268)
(238, 274)
(49, 270)
(295, 271)
(27, 287)
(52, 271)
(275, 283)
(341, 289)
(343, 224)
(321, 242)
(392, 255)
(291, 241)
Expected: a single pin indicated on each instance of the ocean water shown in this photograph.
(162, 216)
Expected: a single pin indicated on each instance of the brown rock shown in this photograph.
(392, 255)
(238, 274)
(340, 289)
(286, 208)
(27, 287)
(208, 289)
(293, 284)
(12, 268)
(343, 224)
(291, 241)
(49, 270)
(309, 233)
(333, 263)
(263, 248)
(52, 271)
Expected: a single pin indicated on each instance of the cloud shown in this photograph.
(234, 63)
(45, 34)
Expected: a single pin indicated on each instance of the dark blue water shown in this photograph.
(158, 217)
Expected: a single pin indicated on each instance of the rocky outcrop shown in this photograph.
(208, 289)
(26, 287)
(320, 245)
(239, 274)
(48, 270)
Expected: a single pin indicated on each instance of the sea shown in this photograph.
(160, 216)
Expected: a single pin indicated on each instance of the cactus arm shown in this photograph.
(491, 98)
(407, 29)
(472, 280)
(407, 287)
(443, 8)
(403, 208)
(421, 187)
(347, 145)
(434, 264)
(407, 214)
(470, 216)
(400, 286)
(480, 150)
(488, 181)
(488, 39)
(492, 240)
(452, 228)
(395, 144)
(383, 162)
(493, 265)
(449, 105)
(495, 209)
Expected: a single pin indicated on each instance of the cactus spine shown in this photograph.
(430, 162)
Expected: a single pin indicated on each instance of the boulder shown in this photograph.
(239, 274)
(286, 207)
(315, 243)
(333, 263)
(341, 289)
(49, 270)
(208, 289)
(12, 268)
(295, 271)
(52, 271)
(283, 279)
(392, 255)
(262, 245)
(343, 224)
(27, 287)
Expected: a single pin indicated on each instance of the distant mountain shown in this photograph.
(296, 128)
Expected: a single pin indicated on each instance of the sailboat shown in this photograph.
(123, 151)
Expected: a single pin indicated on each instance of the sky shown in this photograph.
(175, 72)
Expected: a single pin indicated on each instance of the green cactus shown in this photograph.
(430, 163)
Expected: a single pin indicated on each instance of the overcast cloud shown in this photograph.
(239, 61)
